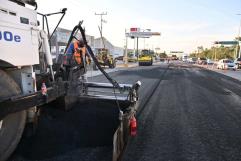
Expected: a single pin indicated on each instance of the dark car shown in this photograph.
(119, 58)
(238, 62)
(202, 61)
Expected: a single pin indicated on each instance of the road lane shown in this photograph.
(185, 113)
(194, 114)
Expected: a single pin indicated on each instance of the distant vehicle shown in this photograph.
(132, 57)
(157, 58)
(174, 57)
(146, 57)
(192, 60)
(184, 58)
(202, 61)
(238, 63)
(105, 58)
(120, 58)
(162, 59)
(226, 64)
(210, 62)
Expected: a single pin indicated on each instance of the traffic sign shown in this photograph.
(134, 29)
(176, 51)
(226, 42)
(143, 34)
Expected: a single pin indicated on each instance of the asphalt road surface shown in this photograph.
(186, 113)
(193, 114)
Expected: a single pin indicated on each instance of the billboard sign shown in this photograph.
(134, 29)
(143, 34)
(226, 42)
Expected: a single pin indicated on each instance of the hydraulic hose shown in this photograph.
(89, 50)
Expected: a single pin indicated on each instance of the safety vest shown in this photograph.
(79, 57)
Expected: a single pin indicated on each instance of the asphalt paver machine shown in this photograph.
(29, 79)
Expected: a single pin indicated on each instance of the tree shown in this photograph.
(238, 38)
(163, 55)
(220, 52)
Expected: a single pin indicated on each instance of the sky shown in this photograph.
(184, 24)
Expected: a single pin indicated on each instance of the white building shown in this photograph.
(115, 51)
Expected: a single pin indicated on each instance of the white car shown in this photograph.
(226, 64)
(192, 60)
(210, 62)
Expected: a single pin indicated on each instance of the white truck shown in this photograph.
(184, 58)
(28, 80)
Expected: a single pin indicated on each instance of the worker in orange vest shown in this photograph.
(78, 60)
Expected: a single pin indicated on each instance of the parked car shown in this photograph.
(238, 63)
(119, 58)
(132, 57)
(210, 61)
(192, 60)
(184, 58)
(162, 59)
(202, 61)
(226, 64)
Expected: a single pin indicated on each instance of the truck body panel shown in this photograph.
(18, 34)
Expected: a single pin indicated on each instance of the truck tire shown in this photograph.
(12, 126)
(112, 65)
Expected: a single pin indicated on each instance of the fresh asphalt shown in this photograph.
(186, 113)
(194, 114)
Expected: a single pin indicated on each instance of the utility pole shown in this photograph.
(137, 48)
(238, 54)
(126, 52)
(101, 21)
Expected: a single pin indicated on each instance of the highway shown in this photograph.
(186, 113)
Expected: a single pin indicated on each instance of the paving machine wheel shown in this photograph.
(111, 63)
(12, 126)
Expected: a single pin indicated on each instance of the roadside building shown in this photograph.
(61, 37)
(115, 51)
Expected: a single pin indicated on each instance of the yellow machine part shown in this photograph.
(145, 58)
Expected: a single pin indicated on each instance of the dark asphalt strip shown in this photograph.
(149, 95)
(144, 100)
